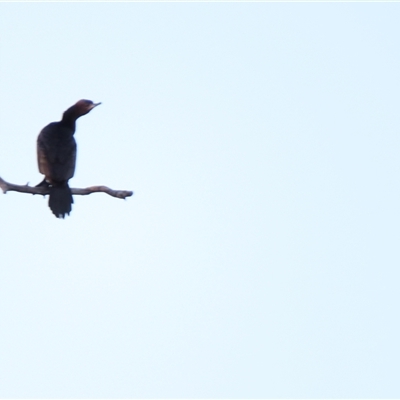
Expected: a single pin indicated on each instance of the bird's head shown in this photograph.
(82, 107)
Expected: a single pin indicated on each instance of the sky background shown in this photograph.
(259, 255)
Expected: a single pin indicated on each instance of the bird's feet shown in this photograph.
(44, 183)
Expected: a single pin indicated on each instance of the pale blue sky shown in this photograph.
(259, 255)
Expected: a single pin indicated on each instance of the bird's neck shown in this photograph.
(69, 118)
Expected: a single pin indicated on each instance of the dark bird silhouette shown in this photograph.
(56, 151)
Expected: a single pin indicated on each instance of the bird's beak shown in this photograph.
(95, 105)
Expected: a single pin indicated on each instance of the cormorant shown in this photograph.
(56, 151)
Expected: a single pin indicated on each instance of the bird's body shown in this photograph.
(56, 148)
(56, 151)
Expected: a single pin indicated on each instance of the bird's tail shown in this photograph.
(60, 200)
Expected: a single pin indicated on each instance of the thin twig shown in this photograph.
(11, 187)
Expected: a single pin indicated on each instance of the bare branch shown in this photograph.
(10, 187)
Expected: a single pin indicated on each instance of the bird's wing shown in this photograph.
(43, 161)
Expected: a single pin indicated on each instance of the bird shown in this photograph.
(56, 154)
